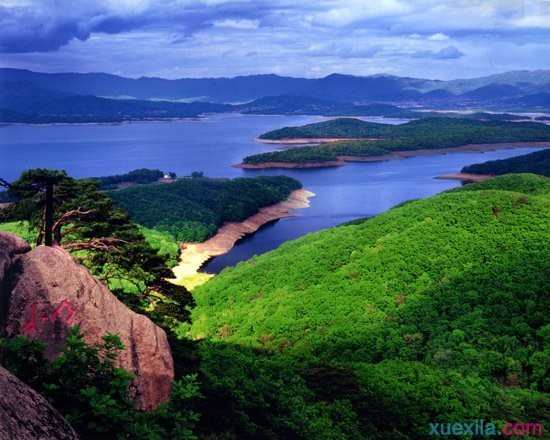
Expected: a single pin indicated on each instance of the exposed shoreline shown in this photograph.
(195, 255)
(300, 141)
(342, 160)
(289, 165)
(466, 177)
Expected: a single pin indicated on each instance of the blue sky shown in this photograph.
(189, 38)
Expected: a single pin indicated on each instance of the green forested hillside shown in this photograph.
(340, 127)
(537, 162)
(529, 184)
(427, 133)
(192, 209)
(434, 311)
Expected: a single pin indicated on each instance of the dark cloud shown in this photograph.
(46, 25)
(311, 37)
(41, 29)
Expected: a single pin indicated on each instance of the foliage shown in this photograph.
(248, 394)
(427, 133)
(163, 243)
(527, 184)
(193, 209)
(537, 162)
(334, 128)
(84, 384)
(435, 310)
(132, 268)
(20, 228)
(140, 176)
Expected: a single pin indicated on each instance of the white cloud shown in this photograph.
(438, 37)
(540, 21)
(352, 11)
(238, 24)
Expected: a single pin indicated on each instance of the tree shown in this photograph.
(101, 236)
(36, 187)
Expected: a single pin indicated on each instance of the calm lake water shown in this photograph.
(211, 145)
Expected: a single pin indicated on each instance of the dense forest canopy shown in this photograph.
(192, 209)
(427, 133)
(435, 309)
(537, 163)
(140, 176)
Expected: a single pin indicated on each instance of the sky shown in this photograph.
(212, 38)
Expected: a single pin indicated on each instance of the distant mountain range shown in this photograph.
(43, 97)
(26, 102)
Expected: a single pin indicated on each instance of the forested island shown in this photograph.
(383, 141)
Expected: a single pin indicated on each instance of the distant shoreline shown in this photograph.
(343, 160)
(195, 255)
(466, 177)
(300, 141)
(130, 121)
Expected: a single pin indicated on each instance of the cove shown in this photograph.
(212, 145)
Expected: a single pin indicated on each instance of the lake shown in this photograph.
(216, 142)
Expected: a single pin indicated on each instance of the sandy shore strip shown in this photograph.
(299, 141)
(194, 255)
(289, 165)
(342, 160)
(466, 177)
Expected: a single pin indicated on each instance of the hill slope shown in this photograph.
(427, 312)
(192, 209)
(303, 105)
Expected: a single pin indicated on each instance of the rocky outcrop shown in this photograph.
(26, 415)
(49, 293)
(10, 246)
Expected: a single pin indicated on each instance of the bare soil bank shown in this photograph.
(194, 255)
(466, 177)
(299, 141)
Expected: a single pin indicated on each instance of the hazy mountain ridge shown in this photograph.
(27, 96)
(340, 87)
(27, 102)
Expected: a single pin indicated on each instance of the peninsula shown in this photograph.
(205, 217)
(195, 255)
(385, 142)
